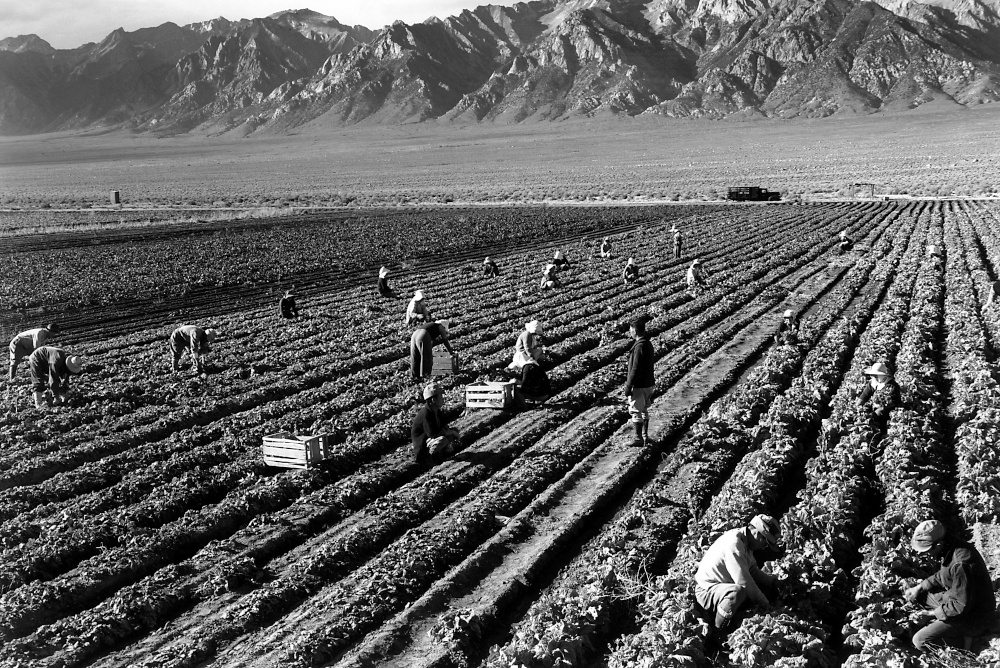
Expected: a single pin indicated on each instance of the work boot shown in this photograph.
(39, 399)
(638, 434)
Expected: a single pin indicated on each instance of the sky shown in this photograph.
(67, 24)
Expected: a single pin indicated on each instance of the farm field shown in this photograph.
(139, 525)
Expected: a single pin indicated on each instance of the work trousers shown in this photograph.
(942, 633)
(677, 250)
(421, 353)
(721, 601)
(638, 403)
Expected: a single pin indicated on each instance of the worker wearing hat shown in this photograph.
(430, 437)
(631, 272)
(606, 247)
(50, 369)
(27, 342)
(194, 340)
(640, 381)
(846, 243)
(678, 242)
(528, 347)
(960, 595)
(422, 346)
(417, 310)
(788, 330)
(880, 390)
(549, 279)
(383, 283)
(696, 275)
(934, 252)
(490, 268)
(560, 261)
(728, 575)
(287, 306)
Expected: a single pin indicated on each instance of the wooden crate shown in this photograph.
(490, 395)
(295, 452)
(444, 363)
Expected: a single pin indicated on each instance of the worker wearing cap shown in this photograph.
(549, 279)
(960, 595)
(429, 435)
(880, 390)
(631, 272)
(696, 275)
(788, 330)
(728, 575)
(606, 247)
(560, 261)
(640, 381)
(678, 242)
(528, 346)
(846, 243)
(287, 306)
(490, 268)
(193, 339)
(417, 310)
(27, 342)
(383, 283)
(422, 346)
(50, 369)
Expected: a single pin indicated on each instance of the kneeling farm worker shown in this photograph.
(640, 382)
(430, 437)
(50, 369)
(193, 339)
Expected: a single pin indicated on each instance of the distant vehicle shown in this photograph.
(753, 194)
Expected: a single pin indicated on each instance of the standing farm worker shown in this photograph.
(490, 268)
(959, 596)
(422, 347)
(549, 280)
(417, 310)
(528, 347)
(696, 276)
(430, 437)
(631, 272)
(287, 306)
(560, 261)
(994, 293)
(195, 340)
(728, 575)
(27, 342)
(639, 383)
(678, 242)
(881, 389)
(788, 330)
(383, 283)
(606, 247)
(50, 371)
(845, 242)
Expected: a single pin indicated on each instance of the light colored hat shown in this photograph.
(550, 284)
(445, 324)
(533, 327)
(558, 255)
(487, 260)
(787, 314)
(843, 233)
(383, 272)
(430, 390)
(74, 363)
(289, 293)
(767, 528)
(877, 369)
(933, 250)
(630, 261)
(418, 295)
(926, 534)
(607, 238)
(210, 334)
(696, 262)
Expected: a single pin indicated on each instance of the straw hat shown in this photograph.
(383, 272)
(445, 324)
(696, 262)
(787, 314)
(630, 261)
(418, 296)
(533, 327)
(74, 363)
(926, 534)
(877, 369)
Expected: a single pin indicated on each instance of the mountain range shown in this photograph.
(538, 60)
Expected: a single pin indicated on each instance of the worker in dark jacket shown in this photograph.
(639, 383)
(287, 306)
(881, 391)
(383, 283)
(430, 437)
(27, 342)
(422, 346)
(788, 330)
(560, 261)
(631, 272)
(490, 268)
(960, 595)
(194, 340)
(50, 371)
(678, 242)
(606, 247)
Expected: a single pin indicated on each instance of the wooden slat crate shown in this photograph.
(490, 395)
(444, 363)
(295, 452)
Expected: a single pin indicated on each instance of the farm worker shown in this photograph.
(422, 346)
(788, 330)
(490, 268)
(528, 347)
(994, 293)
(845, 242)
(560, 261)
(696, 276)
(50, 369)
(417, 310)
(27, 342)
(631, 272)
(383, 283)
(678, 242)
(606, 247)
(639, 383)
(728, 575)
(287, 306)
(428, 433)
(549, 280)
(935, 254)
(880, 386)
(193, 339)
(960, 595)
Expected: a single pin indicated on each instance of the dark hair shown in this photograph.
(53, 327)
(639, 324)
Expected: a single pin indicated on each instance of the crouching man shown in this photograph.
(728, 575)
(430, 438)
(50, 371)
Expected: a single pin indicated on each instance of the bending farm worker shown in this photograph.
(417, 310)
(631, 272)
(528, 347)
(845, 242)
(560, 261)
(639, 383)
(728, 575)
(788, 330)
(422, 347)
(194, 340)
(27, 342)
(696, 276)
(490, 268)
(50, 371)
(606, 247)
(549, 280)
(678, 242)
(383, 283)
(287, 306)
(959, 596)
(429, 435)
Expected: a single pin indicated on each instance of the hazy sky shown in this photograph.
(66, 24)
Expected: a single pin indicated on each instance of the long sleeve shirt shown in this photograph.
(193, 338)
(427, 423)
(730, 561)
(966, 585)
(695, 276)
(527, 347)
(640, 365)
(48, 367)
(28, 342)
(416, 308)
